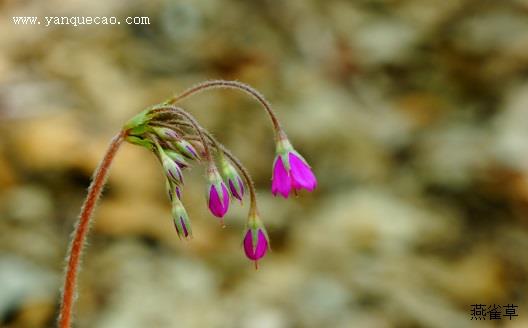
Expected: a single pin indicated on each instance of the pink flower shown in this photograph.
(217, 196)
(255, 248)
(291, 172)
(256, 242)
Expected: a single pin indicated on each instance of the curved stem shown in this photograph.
(81, 230)
(233, 85)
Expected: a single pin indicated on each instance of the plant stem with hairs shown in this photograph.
(81, 230)
(168, 131)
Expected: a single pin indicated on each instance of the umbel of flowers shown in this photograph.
(179, 141)
(174, 136)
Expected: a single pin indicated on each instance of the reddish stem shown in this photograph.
(81, 230)
(232, 85)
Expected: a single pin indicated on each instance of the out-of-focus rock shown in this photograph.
(29, 287)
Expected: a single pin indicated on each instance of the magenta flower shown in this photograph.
(255, 247)
(256, 239)
(217, 194)
(291, 171)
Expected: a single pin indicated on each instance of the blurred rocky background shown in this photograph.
(413, 114)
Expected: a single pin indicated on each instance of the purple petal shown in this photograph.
(281, 182)
(255, 252)
(241, 184)
(226, 196)
(173, 175)
(233, 190)
(174, 172)
(217, 207)
(181, 164)
(178, 192)
(301, 174)
(185, 232)
(192, 151)
(171, 134)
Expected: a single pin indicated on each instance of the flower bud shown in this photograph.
(178, 158)
(165, 133)
(232, 179)
(183, 146)
(172, 189)
(256, 241)
(181, 220)
(172, 170)
(217, 194)
(186, 149)
(290, 171)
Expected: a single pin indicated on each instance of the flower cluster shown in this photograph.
(178, 141)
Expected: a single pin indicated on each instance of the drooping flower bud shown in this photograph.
(290, 171)
(232, 179)
(172, 170)
(165, 133)
(186, 149)
(181, 220)
(256, 241)
(217, 194)
(183, 146)
(178, 158)
(172, 189)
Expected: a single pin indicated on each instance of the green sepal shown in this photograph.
(230, 173)
(177, 157)
(254, 224)
(139, 120)
(215, 181)
(179, 214)
(182, 145)
(170, 166)
(285, 161)
(139, 141)
(169, 189)
(283, 148)
(139, 130)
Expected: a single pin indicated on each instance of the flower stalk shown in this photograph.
(81, 230)
(178, 140)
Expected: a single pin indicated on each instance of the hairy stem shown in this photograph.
(81, 230)
(233, 85)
